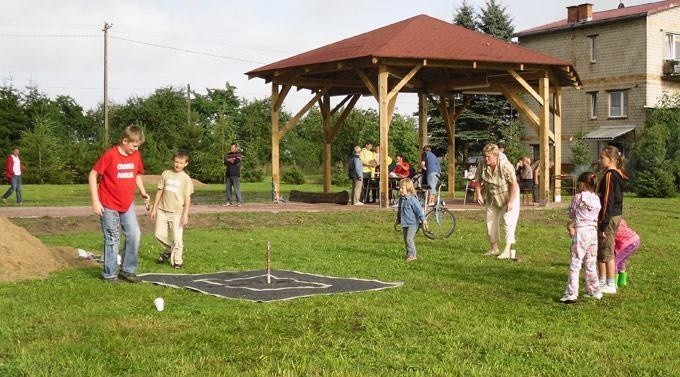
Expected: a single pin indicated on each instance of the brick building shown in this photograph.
(626, 58)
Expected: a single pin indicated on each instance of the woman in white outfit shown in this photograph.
(497, 189)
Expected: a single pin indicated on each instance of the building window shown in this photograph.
(593, 48)
(618, 104)
(593, 105)
(673, 46)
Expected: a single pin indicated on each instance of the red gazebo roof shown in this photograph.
(419, 37)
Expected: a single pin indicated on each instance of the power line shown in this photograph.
(46, 35)
(216, 42)
(186, 50)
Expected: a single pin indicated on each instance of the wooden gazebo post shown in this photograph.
(544, 128)
(422, 121)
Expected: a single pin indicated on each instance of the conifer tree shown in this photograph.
(465, 16)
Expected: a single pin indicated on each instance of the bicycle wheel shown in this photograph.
(440, 223)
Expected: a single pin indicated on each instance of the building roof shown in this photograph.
(606, 16)
(417, 40)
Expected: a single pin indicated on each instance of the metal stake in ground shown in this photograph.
(269, 271)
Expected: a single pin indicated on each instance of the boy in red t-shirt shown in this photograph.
(120, 169)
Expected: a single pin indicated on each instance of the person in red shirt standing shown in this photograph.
(13, 170)
(120, 169)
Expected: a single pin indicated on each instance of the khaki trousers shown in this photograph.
(169, 232)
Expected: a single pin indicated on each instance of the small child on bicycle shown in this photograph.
(409, 215)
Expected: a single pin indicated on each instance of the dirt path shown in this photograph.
(84, 211)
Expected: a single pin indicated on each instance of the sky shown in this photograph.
(58, 45)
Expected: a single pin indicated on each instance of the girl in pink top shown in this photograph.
(582, 227)
(626, 243)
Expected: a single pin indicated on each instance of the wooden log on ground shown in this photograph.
(319, 197)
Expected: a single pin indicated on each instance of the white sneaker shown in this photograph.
(492, 252)
(504, 255)
(567, 299)
(358, 204)
(609, 289)
(596, 296)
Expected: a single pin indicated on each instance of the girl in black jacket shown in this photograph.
(610, 190)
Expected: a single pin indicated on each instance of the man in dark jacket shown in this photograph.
(233, 163)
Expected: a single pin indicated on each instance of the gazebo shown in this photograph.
(438, 61)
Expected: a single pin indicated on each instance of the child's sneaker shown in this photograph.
(177, 266)
(568, 299)
(596, 296)
(623, 279)
(608, 289)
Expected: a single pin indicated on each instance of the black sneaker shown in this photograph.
(164, 257)
(129, 277)
(112, 280)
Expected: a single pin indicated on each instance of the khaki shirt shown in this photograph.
(176, 188)
(496, 185)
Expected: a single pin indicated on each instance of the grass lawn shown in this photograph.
(458, 313)
(78, 195)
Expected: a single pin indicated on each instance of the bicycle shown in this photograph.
(441, 222)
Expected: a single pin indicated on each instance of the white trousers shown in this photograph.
(494, 215)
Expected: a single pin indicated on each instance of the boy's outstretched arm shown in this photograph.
(94, 196)
(142, 190)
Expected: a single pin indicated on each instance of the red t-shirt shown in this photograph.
(119, 176)
(403, 169)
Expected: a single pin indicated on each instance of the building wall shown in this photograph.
(658, 25)
(620, 65)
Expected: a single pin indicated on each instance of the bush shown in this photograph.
(250, 172)
(656, 182)
(651, 172)
(339, 174)
(293, 176)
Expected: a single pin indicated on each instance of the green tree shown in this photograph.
(13, 119)
(512, 135)
(655, 162)
(489, 115)
(302, 147)
(207, 163)
(465, 16)
(253, 130)
(41, 152)
(163, 113)
(70, 122)
(494, 20)
(651, 171)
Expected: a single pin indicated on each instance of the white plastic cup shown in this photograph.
(160, 304)
(513, 254)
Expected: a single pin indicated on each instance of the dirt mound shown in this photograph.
(151, 179)
(23, 256)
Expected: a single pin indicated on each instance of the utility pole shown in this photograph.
(106, 28)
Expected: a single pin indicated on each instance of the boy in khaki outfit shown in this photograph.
(171, 209)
